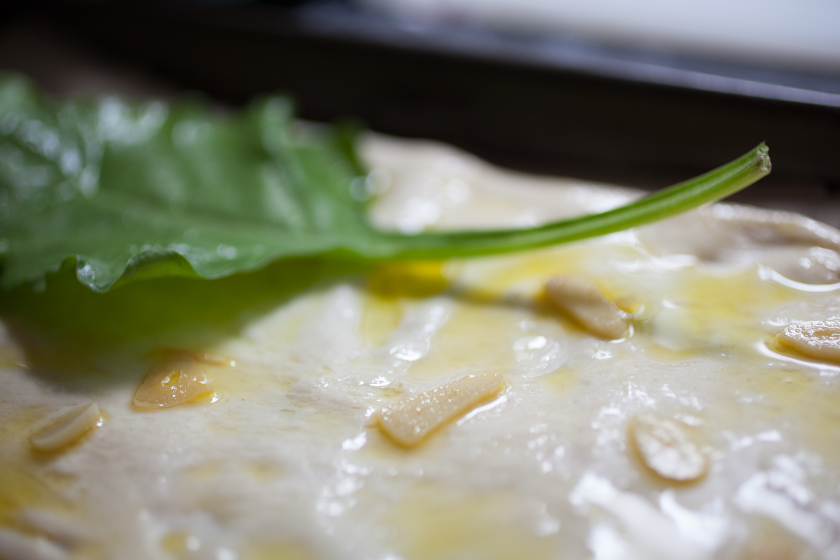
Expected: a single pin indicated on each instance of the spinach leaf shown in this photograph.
(128, 191)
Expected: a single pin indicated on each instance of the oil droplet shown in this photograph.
(419, 279)
(180, 378)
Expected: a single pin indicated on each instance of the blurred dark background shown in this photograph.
(540, 97)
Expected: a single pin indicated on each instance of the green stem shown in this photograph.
(710, 187)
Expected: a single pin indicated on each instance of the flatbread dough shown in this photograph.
(289, 462)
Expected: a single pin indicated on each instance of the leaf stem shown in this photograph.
(706, 188)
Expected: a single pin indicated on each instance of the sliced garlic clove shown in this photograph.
(583, 301)
(179, 379)
(65, 529)
(667, 449)
(67, 428)
(816, 339)
(409, 421)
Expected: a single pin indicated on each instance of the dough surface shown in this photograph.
(288, 461)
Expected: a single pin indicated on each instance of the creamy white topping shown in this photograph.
(289, 462)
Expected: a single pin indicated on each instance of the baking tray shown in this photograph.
(554, 105)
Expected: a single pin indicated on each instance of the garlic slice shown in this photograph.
(67, 428)
(409, 421)
(583, 301)
(816, 339)
(667, 449)
(180, 378)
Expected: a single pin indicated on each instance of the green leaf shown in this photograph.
(138, 191)
(67, 328)
(124, 192)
